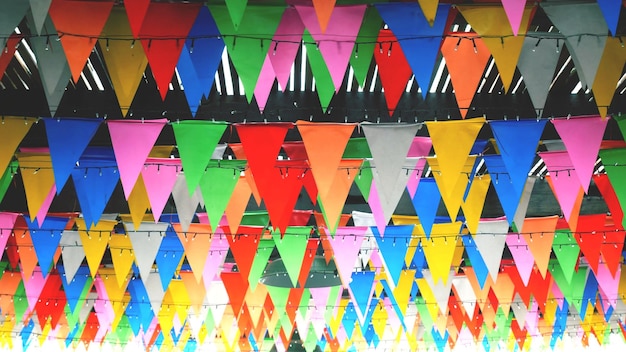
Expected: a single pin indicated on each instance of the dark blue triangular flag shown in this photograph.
(168, 256)
(46, 239)
(426, 202)
(67, 139)
(610, 10)
(74, 288)
(508, 195)
(420, 41)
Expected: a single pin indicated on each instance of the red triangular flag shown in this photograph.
(393, 68)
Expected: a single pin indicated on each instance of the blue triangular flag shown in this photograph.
(611, 10)
(67, 139)
(476, 258)
(517, 142)
(426, 202)
(508, 195)
(348, 321)
(393, 247)
(361, 288)
(74, 288)
(168, 257)
(589, 295)
(420, 41)
(46, 239)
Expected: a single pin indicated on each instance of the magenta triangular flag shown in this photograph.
(7, 221)
(564, 179)
(285, 45)
(573, 132)
(159, 177)
(346, 245)
(132, 141)
(514, 11)
(337, 42)
(264, 84)
(522, 256)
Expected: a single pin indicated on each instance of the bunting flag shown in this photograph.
(466, 58)
(217, 186)
(419, 149)
(539, 235)
(264, 84)
(475, 201)
(159, 176)
(453, 198)
(39, 10)
(586, 49)
(146, 241)
(186, 205)
(393, 69)
(508, 196)
(612, 159)
(426, 203)
(363, 52)
(608, 194)
(537, 63)
(285, 45)
(38, 177)
(12, 131)
(611, 10)
(247, 53)
(490, 238)
(347, 241)
(199, 60)
(439, 250)
(333, 203)
(95, 241)
(607, 75)
(67, 146)
(132, 141)
(46, 240)
(73, 254)
(125, 63)
(323, 80)
(564, 178)
(12, 43)
(336, 40)
(292, 248)
(87, 18)
(514, 12)
(416, 32)
(583, 158)
(393, 245)
(163, 54)
(492, 24)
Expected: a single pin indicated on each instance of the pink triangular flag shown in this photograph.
(524, 260)
(45, 206)
(285, 45)
(514, 12)
(337, 42)
(7, 221)
(583, 156)
(215, 259)
(419, 148)
(33, 287)
(159, 176)
(564, 179)
(377, 209)
(608, 283)
(264, 84)
(132, 141)
(346, 245)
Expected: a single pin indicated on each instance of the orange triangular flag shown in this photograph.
(197, 242)
(332, 204)
(323, 10)
(237, 204)
(539, 235)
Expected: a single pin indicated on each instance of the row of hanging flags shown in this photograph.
(408, 285)
(263, 40)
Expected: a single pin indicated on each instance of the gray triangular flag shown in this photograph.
(85, 309)
(389, 200)
(146, 242)
(522, 208)
(585, 29)
(537, 63)
(440, 290)
(155, 291)
(389, 144)
(52, 64)
(218, 153)
(465, 293)
(519, 310)
(186, 206)
(73, 253)
(10, 17)
(39, 11)
(490, 238)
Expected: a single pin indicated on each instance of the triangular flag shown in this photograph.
(418, 34)
(46, 238)
(452, 142)
(491, 23)
(393, 246)
(324, 11)
(564, 179)
(566, 252)
(508, 195)
(285, 46)
(12, 14)
(132, 141)
(347, 244)
(146, 241)
(514, 12)
(39, 10)
(159, 176)
(490, 239)
(611, 10)
(292, 248)
(122, 257)
(162, 43)
(439, 249)
(335, 41)
(249, 44)
(236, 9)
(95, 241)
(586, 49)
(169, 257)
(466, 56)
(475, 201)
(7, 221)
(453, 198)
(86, 18)
(261, 258)
(522, 256)
(537, 64)
(539, 235)
(583, 157)
(393, 69)
(217, 185)
(139, 203)
(136, 11)
(72, 252)
(361, 287)
(186, 205)
(12, 131)
(426, 203)
(324, 84)
(126, 63)
(608, 75)
(325, 144)
(244, 246)
(264, 84)
(363, 52)
(197, 241)
(236, 285)
(38, 178)
(67, 145)
(237, 204)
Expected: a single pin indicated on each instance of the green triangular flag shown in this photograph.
(248, 45)
(279, 296)
(621, 123)
(217, 186)
(357, 148)
(20, 303)
(209, 323)
(566, 250)
(292, 248)
(613, 159)
(311, 339)
(364, 179)
(3, 266)
(263, 253)
(579, 281)
(236, 8)
(323, 80)
(196, 140)
(363, 51)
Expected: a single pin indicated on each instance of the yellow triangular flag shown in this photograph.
(475, 201)
(608, 74)
(122, 256)
(38, 178)
(138, 202)
(440, 249)
(95, 241)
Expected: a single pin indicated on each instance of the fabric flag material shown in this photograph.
(125, 63)
(292, 248)
(612, 159)
(507, 193)
(146, 241)
(426, 203)
(608, 75)
(453, 198)
(347, 244)
(537, 64)
(247, 53)
(611, 10)
(46, 238)
(38, 178)
(418, 35)
(7, 221)
(420, 148)
(564, 178)
(466, 58)
(237, 204)
(39, 10)
(439, 249)
(200, 59)
(325, 144)
(166, 20)
(514, 12)
(196, 141)
(393, 246)
(393, 69)
(490, 239)
(586, 49)
(236, 9)
(132, 141)
(86, 18)
(12, 131)
(159, 176)
(217, 186)
(475, 201)
(67, 146)
(363, 52)
(186, 205)
(285, 45)
(583, 156)
(264, 84)
(95, 241)
(72, 252)
(333, 203)
(491, 23)
(336, 41)
(539, 235)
